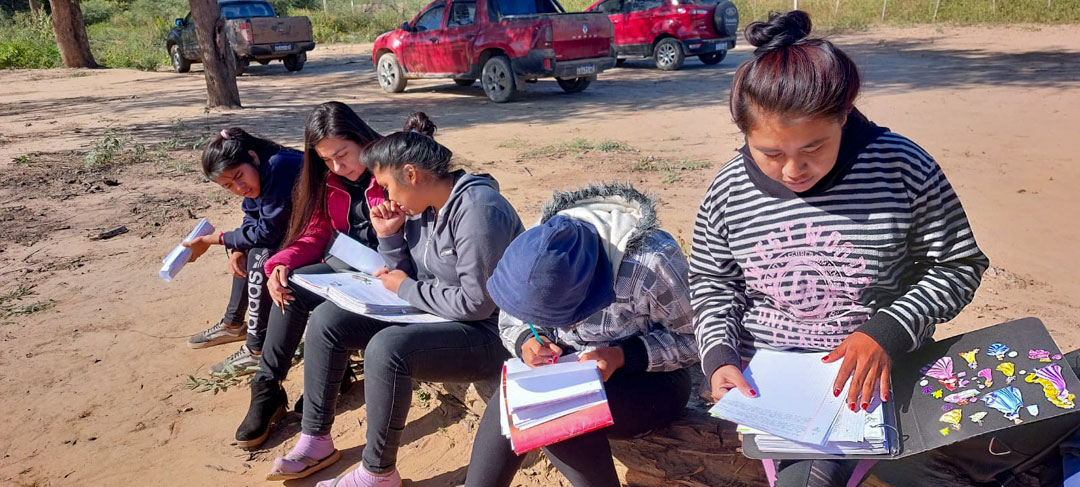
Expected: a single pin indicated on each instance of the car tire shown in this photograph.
(712, 58)
(391, 76)
(497, 78)
(464, 81)
(726, 19)
(241, 65)
(574, 85)
(295, 62)
(668, 54)
(180, 64)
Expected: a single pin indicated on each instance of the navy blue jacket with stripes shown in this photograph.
(881, 245)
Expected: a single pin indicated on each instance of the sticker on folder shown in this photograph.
(1008, 401)
(997, 350)
(1009, 370)
(1054, 387)
(1040, 355)
(969, 357)
(953, 418)
(942, 370)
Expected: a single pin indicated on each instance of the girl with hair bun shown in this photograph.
(441, 231)
(263, 173)
(825, 233)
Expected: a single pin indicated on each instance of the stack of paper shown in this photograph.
(550, 403)
(179, 257)
(359, 292)
(796, 412)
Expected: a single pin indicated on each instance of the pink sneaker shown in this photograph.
(360, 477)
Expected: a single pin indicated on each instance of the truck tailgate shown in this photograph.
(274, 30)
(581, 35)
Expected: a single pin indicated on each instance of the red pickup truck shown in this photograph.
(504, 43)
(670, 30)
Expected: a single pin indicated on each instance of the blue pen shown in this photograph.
(538, 340)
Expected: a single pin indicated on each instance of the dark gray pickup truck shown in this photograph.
(255, 32)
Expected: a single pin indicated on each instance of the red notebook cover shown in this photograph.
(561, 428)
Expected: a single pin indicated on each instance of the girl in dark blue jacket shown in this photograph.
(263, 173)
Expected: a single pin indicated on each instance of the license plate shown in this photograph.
(282, 47)
(587, 69)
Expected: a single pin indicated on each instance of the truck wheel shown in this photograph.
(241, 64)
(263, 62)
(574, 85)
(713, 58)
(391, 77)
(295, 62)
(668, 54)
(179, 63)
(464, 81)
(726, 19)
(498, 79)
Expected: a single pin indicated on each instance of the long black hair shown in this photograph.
(413, 145)
(229, 149)
(329, 120)
(791, 74)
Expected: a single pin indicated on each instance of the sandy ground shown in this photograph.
(94, 385)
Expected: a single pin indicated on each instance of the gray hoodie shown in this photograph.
(450, 256)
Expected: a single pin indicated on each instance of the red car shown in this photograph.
(504, 43)
(670, 30)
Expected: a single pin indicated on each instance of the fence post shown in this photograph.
(994, 8)
(937, 5)
(796, 4)
(837, 9)
(883, 4)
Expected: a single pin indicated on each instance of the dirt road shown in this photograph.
(93, 365)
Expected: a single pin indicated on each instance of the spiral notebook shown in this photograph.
(954, 389)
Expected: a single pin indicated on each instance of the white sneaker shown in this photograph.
(216, 335)
(241, 362)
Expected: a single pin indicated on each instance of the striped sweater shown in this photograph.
(881, 246)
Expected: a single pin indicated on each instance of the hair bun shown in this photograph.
(780, 31)
(420, 123)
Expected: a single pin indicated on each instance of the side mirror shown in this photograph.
(406, 27)
(179, 22)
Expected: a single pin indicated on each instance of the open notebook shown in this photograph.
(545, 405)
(359, 292)
(957, 388)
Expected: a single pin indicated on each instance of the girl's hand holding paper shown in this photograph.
(729, 377)
(391, 279)
(199, 245)
(866, 364)
(608, 360)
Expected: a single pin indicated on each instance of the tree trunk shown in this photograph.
(219, 62)
(70, 32)
(35, 6)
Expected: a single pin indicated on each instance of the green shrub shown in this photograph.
(26, 41)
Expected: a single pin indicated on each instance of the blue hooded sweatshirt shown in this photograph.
(266, 217)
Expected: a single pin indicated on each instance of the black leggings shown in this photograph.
(640, 402)
(249, 296)
(286, 329)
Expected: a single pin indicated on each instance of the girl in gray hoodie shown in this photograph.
(441, 233)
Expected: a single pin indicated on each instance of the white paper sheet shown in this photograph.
(795, 399)
(356, 254)
(179, 257)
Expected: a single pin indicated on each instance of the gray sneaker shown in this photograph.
(216, 335)
(240, 363)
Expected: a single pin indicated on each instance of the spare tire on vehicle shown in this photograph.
(726, 19)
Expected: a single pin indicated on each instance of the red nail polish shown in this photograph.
(886, 399)
(753, 393)
(836, 393)
(852, 406)
(865, 406)
(824, 358)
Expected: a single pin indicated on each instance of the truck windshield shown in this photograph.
(528, 7)
(243, 10)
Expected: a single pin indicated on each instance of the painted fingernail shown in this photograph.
(753, 393)
(836, 393)
(865, 406)
(886, 398)
(824, 358)
(852, 406)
